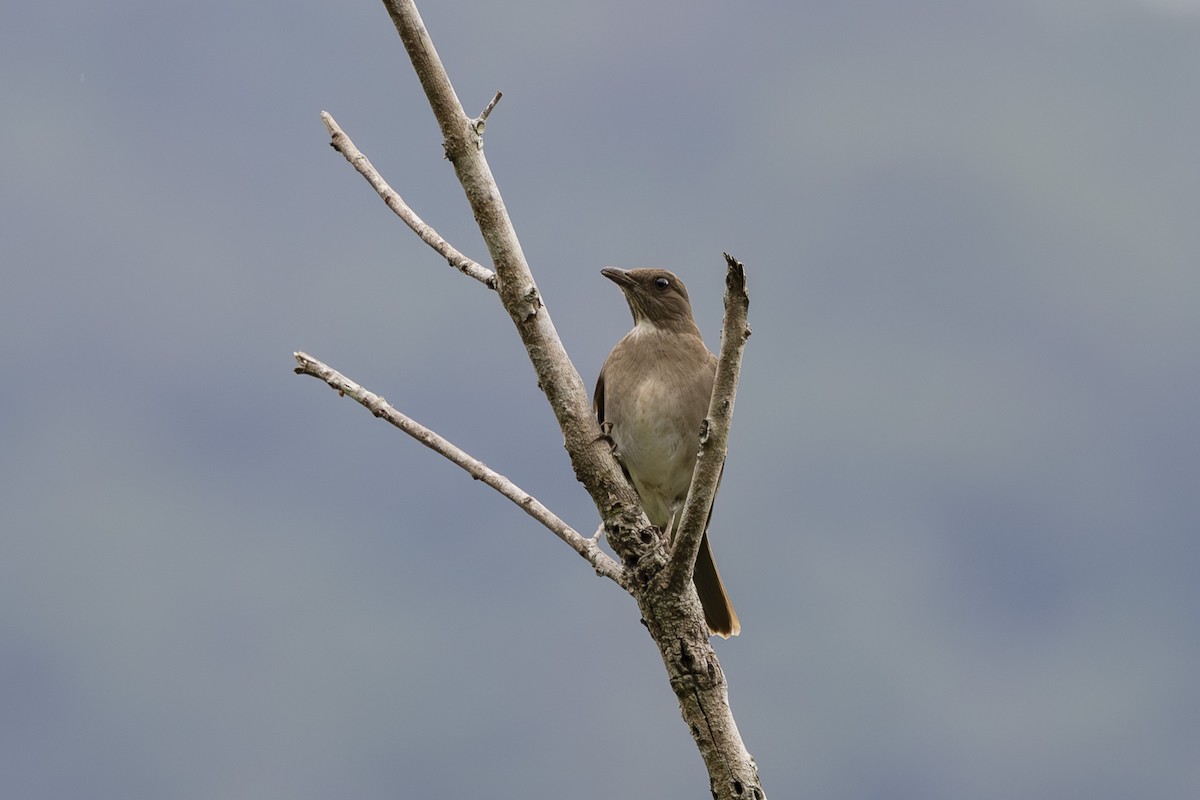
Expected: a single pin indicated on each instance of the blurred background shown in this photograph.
(960, 516)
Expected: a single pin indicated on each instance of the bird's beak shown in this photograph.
(618, 276)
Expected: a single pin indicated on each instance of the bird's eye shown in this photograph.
(662, 283)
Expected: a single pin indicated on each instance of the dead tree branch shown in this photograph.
(588, 548)
(668, 603)
(341, 142)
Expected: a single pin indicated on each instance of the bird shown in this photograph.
(651, 397)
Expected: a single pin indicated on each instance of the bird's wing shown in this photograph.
(598, 398)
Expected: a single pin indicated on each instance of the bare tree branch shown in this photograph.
(588, 548)
(714, 436)
(672, 615)
(342, 143)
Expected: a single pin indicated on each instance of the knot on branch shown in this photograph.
(695, 671)
(533, 301)
(641, 549)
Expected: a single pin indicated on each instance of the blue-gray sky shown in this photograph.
(960, 517)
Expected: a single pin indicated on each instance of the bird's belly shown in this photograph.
(658, 450)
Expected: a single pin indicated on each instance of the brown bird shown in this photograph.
(652, 395)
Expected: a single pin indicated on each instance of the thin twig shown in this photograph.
(714, 437)
(342, 143)
(481, 120)
(604, 565)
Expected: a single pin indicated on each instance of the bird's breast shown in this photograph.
(657, 437)
(656, 386)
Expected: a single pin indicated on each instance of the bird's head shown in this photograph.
(655, 296)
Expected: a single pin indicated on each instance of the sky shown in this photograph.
(959, 519)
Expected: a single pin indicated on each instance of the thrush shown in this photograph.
(651, 397)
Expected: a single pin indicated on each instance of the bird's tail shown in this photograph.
(718, 611)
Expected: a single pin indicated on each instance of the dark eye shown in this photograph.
(662, 283)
